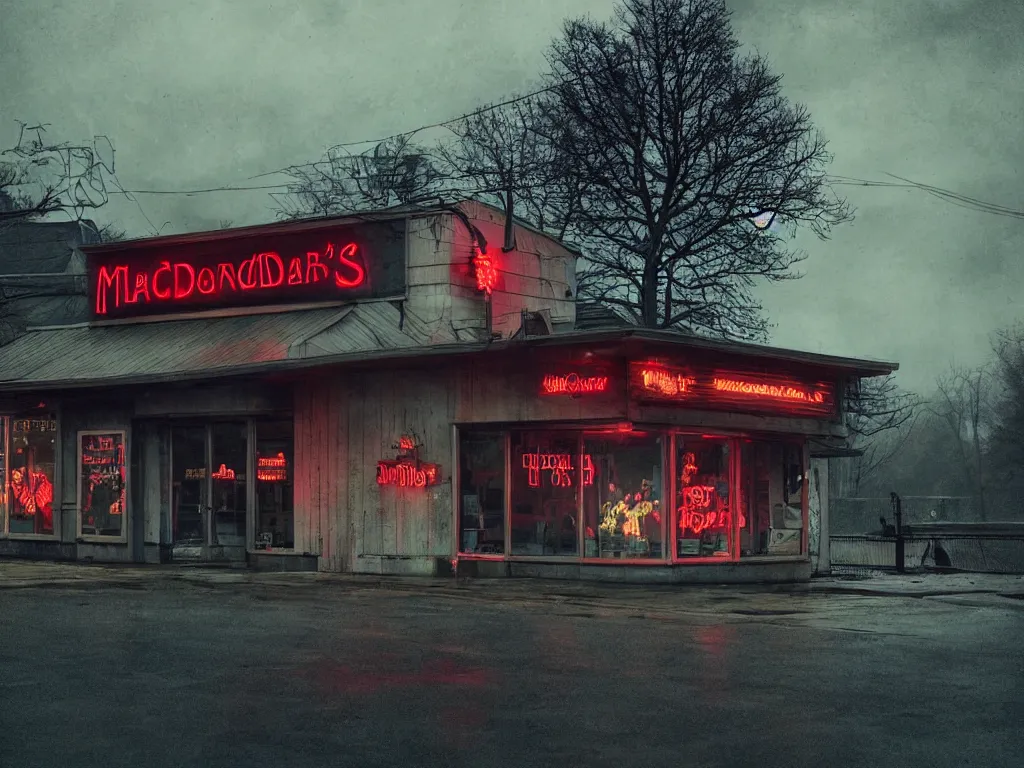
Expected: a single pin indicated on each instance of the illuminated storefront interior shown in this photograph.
(629, 493)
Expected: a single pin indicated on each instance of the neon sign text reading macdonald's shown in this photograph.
(178, 281)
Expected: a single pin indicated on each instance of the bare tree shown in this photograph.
(880, 417)
(1006, 448)
(501, 155)
(395, 172)
(965, 403)
(38, 178)
(692, 164)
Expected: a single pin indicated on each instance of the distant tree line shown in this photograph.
(966, 439)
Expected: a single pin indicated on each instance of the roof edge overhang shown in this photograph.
(845, 366)
(276, 227)
(312, 223)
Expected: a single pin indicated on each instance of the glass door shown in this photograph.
(229, 474)
(190, 486)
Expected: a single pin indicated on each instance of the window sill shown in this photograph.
(613, 562)
(279, 551)
(90, 539)
(31, 536)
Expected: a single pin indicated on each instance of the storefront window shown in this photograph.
(545, 493)
(31, 473)
(275, 513)
(703, 504)
(101, 479)
(771, 495)
(482, 493)
(230, 451)
(622, 492)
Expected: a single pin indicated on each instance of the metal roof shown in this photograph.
(83, 356)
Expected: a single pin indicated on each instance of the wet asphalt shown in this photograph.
(186, 675)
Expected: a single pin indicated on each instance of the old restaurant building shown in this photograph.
(395, 393)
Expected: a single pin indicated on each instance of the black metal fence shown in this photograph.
(963, 552)
(924, 543)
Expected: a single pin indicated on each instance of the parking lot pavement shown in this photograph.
(177, 668)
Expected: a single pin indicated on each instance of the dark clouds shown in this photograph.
(198, 94)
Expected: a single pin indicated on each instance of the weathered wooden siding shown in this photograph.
(493, 388)
(343, 426)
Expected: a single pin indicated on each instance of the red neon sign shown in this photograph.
(573, 384)
(665, 382)
(223, 473)
(406, 443)
(731, 390)
(485, 271)
(559, 465)
(407, 474)
(272, 469)
(770, 391)
(172, 282)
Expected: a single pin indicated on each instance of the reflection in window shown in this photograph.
(703, 509)
(622, 484)
(771, 495)
(31, 475)
(230, 447)
(545, 485)
(101, 493)
(482, 493)
(275, 513)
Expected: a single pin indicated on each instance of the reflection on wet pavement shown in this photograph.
(372, 677)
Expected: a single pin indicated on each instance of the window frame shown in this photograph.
(669, 436)
(58, 486)
(126, 512)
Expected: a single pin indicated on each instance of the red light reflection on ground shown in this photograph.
(344, 679)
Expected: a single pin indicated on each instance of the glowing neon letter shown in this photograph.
(346, 257)
(107, 280)
(181, 270)
(206, 281)
(295, 271)
(226, 274)
(141, 288)
(165, 266)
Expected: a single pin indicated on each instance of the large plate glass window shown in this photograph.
(31, 467)
(481, 492)
(275, 510)
(622, 495)
(101, 484)
(704, 504)
(546, 481)
(771, 497)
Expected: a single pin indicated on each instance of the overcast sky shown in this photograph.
(204, 94)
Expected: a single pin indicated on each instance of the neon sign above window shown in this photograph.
(731, 390)
(573, 384)
(327, 264)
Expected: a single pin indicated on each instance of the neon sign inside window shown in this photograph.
(560, 465)
(272, 469)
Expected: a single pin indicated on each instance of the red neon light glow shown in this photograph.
(559, 465)
(406, 444)
(771, 391)
(485, 271)
(407, 474)
(223, 473)
(272, 469)
(178, 281)
(573, 384)
(689, 467)
(665, 382)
